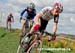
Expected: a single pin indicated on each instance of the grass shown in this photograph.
(9, 42)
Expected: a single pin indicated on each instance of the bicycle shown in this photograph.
(34, 46)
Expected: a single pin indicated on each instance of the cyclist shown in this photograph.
(42, 18)
(29, 14)
(9, 20)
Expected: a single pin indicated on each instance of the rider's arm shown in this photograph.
(56, 18)
(12, 18)
(37, 17)
(22, 14)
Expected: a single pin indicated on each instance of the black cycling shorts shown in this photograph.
(43, 25)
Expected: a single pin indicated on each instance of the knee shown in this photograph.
(23, 22)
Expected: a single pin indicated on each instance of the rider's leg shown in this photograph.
(31, 23)
(10, 26)
(34, 28)
(7, 25)
(22, 29)
(23, 25)
(43, 27)
(40, 26)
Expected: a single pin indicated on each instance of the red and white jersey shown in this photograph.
(47, 13)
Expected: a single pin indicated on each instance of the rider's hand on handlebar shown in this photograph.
(53, 37)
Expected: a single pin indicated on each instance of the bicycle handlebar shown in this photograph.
(47, 33)
(43, 33)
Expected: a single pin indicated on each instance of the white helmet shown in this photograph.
(31, 5)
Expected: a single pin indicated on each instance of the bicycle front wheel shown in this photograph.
(35, 48)
(20, 49)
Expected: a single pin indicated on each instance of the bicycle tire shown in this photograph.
(20, 50)
(34, 48)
